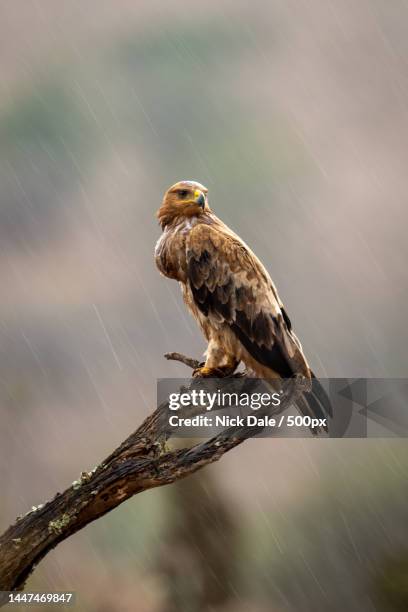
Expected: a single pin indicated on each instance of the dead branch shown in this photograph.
(138, 464)
(191, 363)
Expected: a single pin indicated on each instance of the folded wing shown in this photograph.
(230, 286)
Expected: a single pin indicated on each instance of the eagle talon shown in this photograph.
(204, 372)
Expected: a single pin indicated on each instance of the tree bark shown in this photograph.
(140, 463)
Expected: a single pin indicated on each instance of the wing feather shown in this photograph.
(229, 285)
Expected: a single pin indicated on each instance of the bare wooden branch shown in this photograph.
(140, 463)
(191, 363)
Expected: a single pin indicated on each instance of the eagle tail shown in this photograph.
(316, 404)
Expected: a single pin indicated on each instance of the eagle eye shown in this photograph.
(183, 193)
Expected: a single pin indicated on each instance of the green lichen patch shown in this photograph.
(58, 525)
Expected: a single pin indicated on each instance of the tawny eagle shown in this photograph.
(230, 294)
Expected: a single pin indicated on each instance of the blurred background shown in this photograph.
(295, 115)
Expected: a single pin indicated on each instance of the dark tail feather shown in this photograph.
(321, 395)
(308, 406)
(315, 404)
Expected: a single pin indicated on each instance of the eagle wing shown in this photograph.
(229, 285)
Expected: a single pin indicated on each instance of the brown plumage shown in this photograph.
(229, 292)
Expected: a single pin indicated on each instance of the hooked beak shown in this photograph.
(199, 198)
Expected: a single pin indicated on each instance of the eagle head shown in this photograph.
(181, 200)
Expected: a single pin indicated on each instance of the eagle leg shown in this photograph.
(218, 364)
